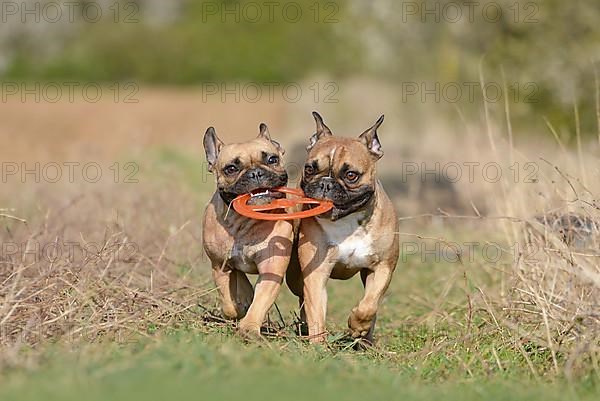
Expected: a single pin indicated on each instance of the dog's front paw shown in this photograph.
(359, 323)
(248, 330)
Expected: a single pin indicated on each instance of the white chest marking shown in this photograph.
(353, 245)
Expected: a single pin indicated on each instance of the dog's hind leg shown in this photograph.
(235, 291)
(244, 292)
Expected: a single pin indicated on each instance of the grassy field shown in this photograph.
(191, 365)
(131, 313)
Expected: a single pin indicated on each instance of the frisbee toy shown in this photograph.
(261, 212)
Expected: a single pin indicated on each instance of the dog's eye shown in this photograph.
(273, 160)
(309, 170)
(352, 176)
(230, 169)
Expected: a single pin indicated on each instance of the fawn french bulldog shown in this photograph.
(237, 245)
(359, 235)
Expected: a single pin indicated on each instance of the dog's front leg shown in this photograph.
(271, 273)
(362, 318)
(315, 304)
(316, 269)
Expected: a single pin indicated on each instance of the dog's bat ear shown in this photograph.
(371, 140)
(212, 147)
(322, 131)
(264, 133)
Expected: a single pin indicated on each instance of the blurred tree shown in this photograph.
(187, 42)
(551, 44)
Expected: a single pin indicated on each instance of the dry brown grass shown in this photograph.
(550, 294)
(554, 288)
(97, 266)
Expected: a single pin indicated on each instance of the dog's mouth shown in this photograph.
(264, 196)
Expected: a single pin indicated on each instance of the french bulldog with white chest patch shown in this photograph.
(358, 235)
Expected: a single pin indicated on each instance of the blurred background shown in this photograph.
(551, 44)
(109, 79)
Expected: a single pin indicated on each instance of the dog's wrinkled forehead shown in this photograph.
(335, 152)
(247, 154)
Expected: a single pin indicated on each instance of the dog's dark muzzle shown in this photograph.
(256, 179)
(326, 188)
(259, 178)
(345, 201)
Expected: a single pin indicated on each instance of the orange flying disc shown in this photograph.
(260, 212)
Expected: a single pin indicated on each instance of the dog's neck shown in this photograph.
(230, 218)
(366, 212)
(368, 209)
(224, 208)
(227, 197)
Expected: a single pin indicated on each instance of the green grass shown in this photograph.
(188, 366)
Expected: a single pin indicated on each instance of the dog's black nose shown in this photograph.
(326, 185)
(256, 174)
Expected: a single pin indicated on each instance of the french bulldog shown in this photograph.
(359, 235)
(237, 245)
